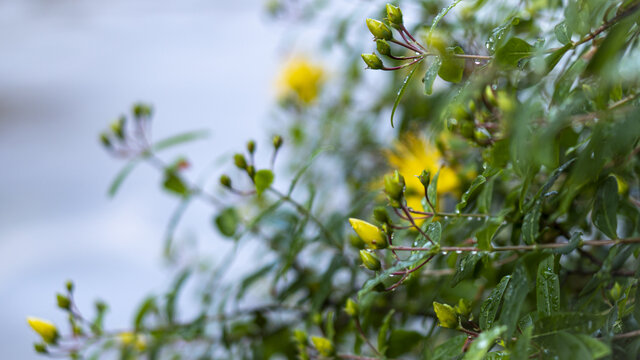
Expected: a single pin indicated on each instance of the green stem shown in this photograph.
(519, 247)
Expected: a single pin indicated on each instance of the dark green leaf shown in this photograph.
(490, 306)
(574, 242)
(596, 347)
(405, 83)
(479, 180)
(531, 223)
(486, 234)
(172, 296)
(547, 288)
(521, 347)
(605, 207)
(147, 307)
(449, 349)
(263, 179)
(227, 221)
(562, 345)
(173, 183)
(402, 341)
(483, 343)
(513, 51)
(569, 321)
(465, 267)
(432, 192)
(562, 33)
(383, 332)
(514, 296)
(430, 75)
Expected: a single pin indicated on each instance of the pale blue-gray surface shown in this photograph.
(67, 68)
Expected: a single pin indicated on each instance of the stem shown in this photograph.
(406, 212)
(404, 65)
(307, 213)
(608, 24)
(404, 29)
(364, 336)
(521, 247)
(410, 47)
(441, 214)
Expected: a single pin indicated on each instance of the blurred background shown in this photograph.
(67, 69)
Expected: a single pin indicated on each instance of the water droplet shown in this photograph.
(477, 62)
(458, 251)
(469, 219)
(444, 253)
(474, 252)
(446, 218)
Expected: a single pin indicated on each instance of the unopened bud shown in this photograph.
(394, 15)
(379, 30)
(277, 141)
(251, 146)
(240, 161)
(370, 260)
(40, 348)
(425, 178)
(225, 181)
(118, 127)
(446, 315)
(323, 345)
(372, 61)
(369, 233)
(383, 47)
(381, 215)
(394, 186)
(141, 110)
(45, 329)
(106, 142)
(356, 242)
(482, 136)
(251, 171)
(69, 286)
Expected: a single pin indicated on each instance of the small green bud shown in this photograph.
(615, 292)
(40, 348)
(69, 286)
(63, 302)
(370, 260)
(240, 161)
(300, 336)
(141, 110)
(394, 186)
(446, 315)
(472, 106)
(466, 129)
(381, 215)
(383, 47)
(118, 127)
(463, 308)
(225, 181)
(372, 61)
(101, 306)
(323, 345)
(489, 96)
(251, 171)
(425, 178)
(106, 142)
(251, 146)
(356, 242)
(379, 30)
(277, 141)
(394, 15)
(351, 308)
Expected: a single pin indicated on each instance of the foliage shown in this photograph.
(511, 229)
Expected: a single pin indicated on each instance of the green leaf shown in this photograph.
(147, 307)
(521, 348)
(531, 223)
(441, 14)
(552, 59)
(405, 83)
(514, 297)
(172, 296)
(605, 207)
(227, 221)
(465, 267)
(449, 349)
(452, 68)
(490, 306)
(562, 33)
(483, 343)
(547, 288)
(263, 179)
(562, 345)
(402, 341)
(574, 242)
(612, 45)
(432, 192)
(597, 348)
(173, 183)
(430, 75)
(122, 174)
(569, 321)
(513, 51)
(486, 234)
(467, 194)
(179, 139)
(384, 329)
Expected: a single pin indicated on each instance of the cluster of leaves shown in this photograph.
(536, 257)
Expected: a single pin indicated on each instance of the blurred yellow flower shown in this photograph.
(410, 155)
(301, 79)
(44, 328)
(128, 338)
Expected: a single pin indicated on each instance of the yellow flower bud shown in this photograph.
(369, 233)
(351, 308)
(446, 315)
(394, 15)
(45, 329)
(379, 29)
(373, 61)
(323, 345)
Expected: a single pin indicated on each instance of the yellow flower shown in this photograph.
(446, 315)
(44, 328)
(301, 79)
(369, 233)
(410, 156)
(128, 338)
